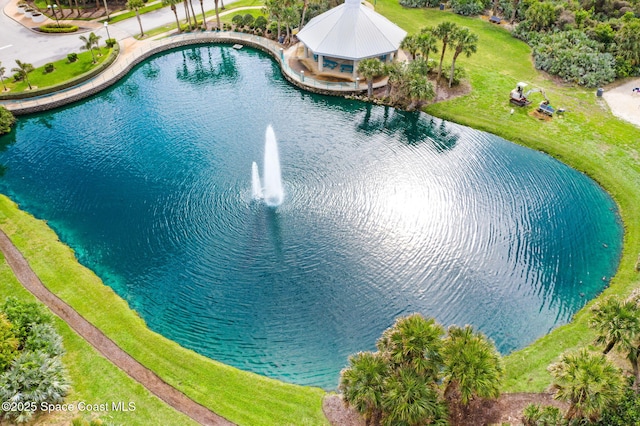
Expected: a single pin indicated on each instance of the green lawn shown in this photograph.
(63, 70)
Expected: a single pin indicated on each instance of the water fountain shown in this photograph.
(273, 192)
(256, 185)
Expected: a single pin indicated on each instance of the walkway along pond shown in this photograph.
(130, 58)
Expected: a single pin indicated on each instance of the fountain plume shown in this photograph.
(256, 185)
(273, 192)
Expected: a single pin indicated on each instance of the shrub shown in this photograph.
(248, 20)
(575, 58)
(8, 343)
(72, 57)
(44, 338)
(626, 412)
(55, 28)
(260, 22)
(535, 415)
(238, 20)
(23, 316)
(48, 67)
(34, 378)
(6, 121)
(469, 7)
(110, 42)
(459, 73)
(419, 3)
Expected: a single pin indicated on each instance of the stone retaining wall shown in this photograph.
(45, 104)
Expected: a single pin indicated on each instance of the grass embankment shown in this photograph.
(95, 380)
(242, 397)
(589, 138)
(63, 71)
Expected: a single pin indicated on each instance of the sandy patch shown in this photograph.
(624, 102)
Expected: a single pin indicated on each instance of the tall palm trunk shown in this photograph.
(175, 12)
(77, 8)
(193, 13)
(204, 18)
(140, 23)
(106, 9)
(304, 12)
(217, 16)
(444, 48)
(186, 13)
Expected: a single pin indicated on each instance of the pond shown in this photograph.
(385, 213)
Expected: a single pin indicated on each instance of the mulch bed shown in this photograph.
(505, 410)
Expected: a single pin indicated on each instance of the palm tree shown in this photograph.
(187, 14)
(426, 43)
(444, 31)
(290, 17)
(618, 324)
(418, 89)
(370, 68)
(204, 17)
(88, 45)
(135, 5)
(588, 382)
(95, 39)
(362, 384)
(217, 15)
(414, 341)
(410, 399)
(2, 70)
(23, 69)
(173, 4)
(410, 44)
(463, 41)
(274, 9)
(193, 13)
(395, 72)
(472, 368)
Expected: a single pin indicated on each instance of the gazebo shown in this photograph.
(349, 33)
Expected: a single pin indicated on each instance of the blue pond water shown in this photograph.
(386, 213)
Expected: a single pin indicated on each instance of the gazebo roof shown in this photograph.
(351, 31)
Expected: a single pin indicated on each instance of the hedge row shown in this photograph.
(58, 28)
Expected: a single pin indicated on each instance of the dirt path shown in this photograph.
(102, 343)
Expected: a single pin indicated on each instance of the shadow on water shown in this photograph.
(6, 141)
(274, 228)
(198, 70)
(413, 127)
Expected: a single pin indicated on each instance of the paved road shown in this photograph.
(18, 42)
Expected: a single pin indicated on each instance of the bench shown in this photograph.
(330, 64)
(346, 67)
(495, 19)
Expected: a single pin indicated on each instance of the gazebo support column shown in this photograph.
(320, 63)
(355, 69)
(306, 51)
